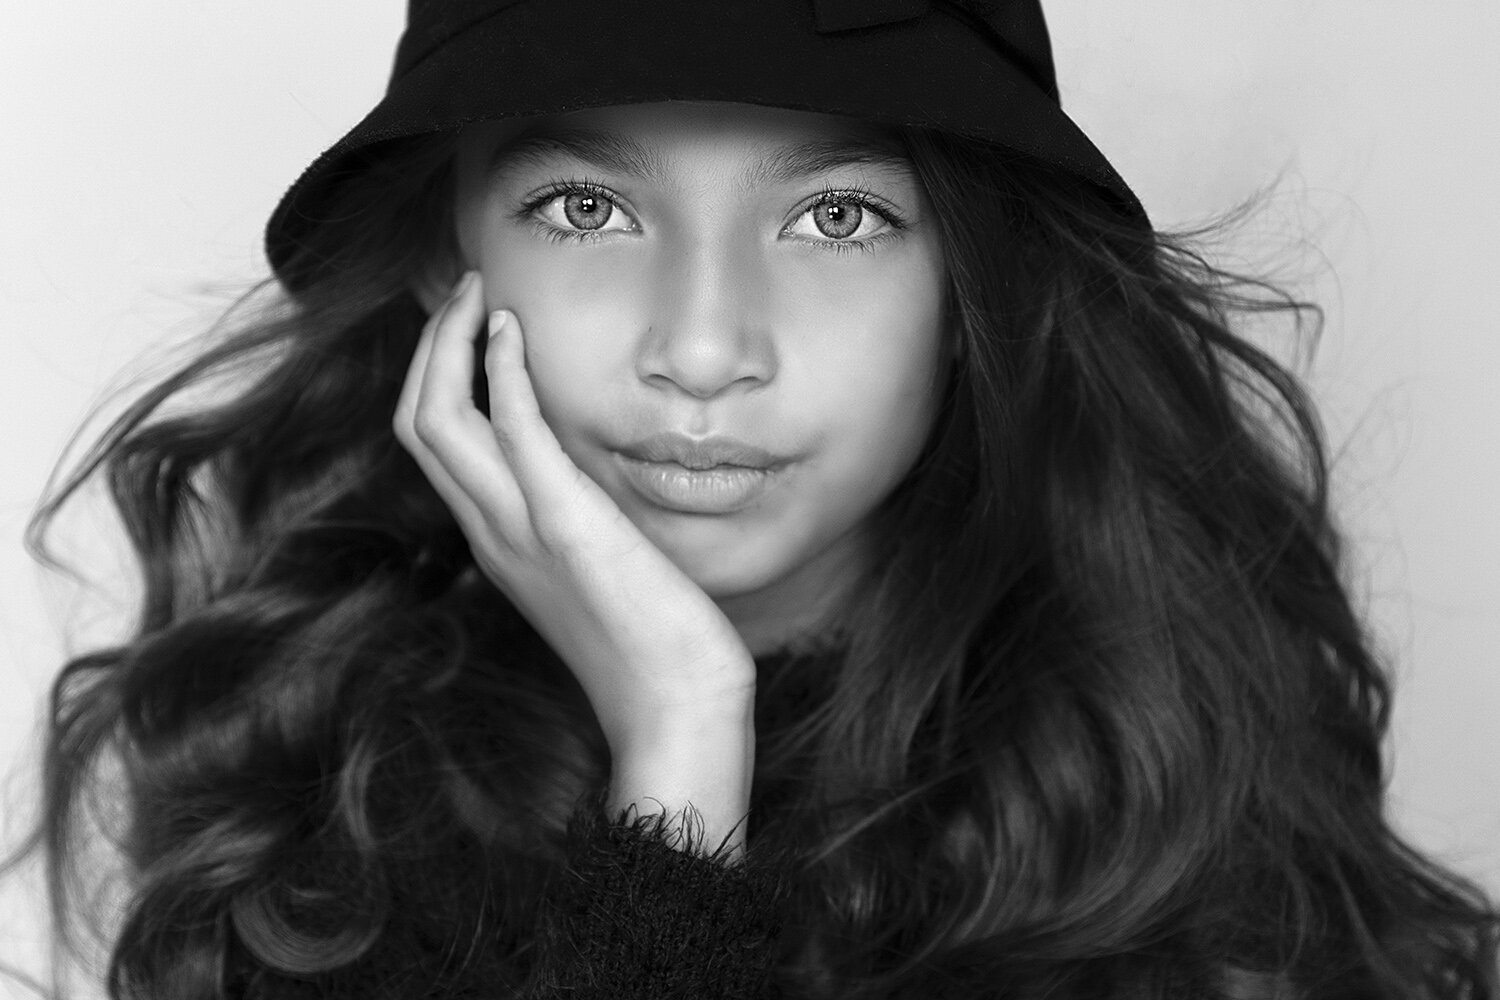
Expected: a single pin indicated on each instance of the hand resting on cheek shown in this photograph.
(669, 678)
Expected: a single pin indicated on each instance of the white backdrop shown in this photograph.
(145, 142)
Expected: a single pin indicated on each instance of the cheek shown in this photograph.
(576, 310)
(857, 341)
(872, 350)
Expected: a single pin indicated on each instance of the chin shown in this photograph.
(726, 572)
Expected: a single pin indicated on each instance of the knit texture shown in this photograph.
(646, 910)
(638, 910)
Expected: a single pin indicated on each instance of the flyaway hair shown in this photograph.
(1104, 725)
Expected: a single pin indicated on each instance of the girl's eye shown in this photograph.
(836, 220)
(579, 211)
(850, 218)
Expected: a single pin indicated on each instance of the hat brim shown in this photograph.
(519, 63)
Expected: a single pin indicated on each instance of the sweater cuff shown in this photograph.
(642, 910)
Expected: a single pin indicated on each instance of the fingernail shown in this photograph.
(498, 319)
(464, 282)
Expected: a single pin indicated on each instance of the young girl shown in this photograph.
(735, 500)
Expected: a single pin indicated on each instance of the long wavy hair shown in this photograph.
(1103, 722)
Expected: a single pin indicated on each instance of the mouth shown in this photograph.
(715, 475)
(701, 454)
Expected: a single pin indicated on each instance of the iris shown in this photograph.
(586, 211)
(838, 219)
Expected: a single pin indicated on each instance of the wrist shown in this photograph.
(701, 761)
(651, 727)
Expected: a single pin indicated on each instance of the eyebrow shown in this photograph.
(620, 153)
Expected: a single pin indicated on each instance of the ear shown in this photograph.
(434, 282)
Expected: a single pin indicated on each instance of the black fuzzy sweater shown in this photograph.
(629, 915)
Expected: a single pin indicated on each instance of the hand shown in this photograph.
(651, 650)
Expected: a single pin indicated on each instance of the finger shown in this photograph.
(461, 457)
(411, 388)
(542, 468)
(475, 524)
(404, 418)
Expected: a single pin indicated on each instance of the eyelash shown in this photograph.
(867, 201)
(553, 190)
(857, 195)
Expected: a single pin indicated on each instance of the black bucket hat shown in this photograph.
(981, 69)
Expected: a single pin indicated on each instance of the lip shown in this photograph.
(715, 475)
(699, 454)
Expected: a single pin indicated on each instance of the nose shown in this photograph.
(707, 331)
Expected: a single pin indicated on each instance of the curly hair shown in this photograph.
(1104, 723)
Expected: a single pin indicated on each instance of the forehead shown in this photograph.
(767, 145)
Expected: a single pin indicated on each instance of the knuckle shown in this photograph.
(505, 434)
(565, 533)
(501, 547)
(427, 426)
(401, 427)
(556, 533)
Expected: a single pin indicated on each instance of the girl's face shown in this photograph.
(733, 322)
